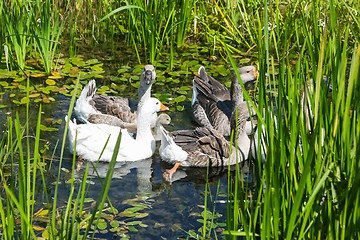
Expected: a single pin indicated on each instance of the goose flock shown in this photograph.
(217, 111)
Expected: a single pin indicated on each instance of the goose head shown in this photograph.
(148, 74)
(163, 119)
(247, 74)
(146, 111)
(147, 78)
(150, 106)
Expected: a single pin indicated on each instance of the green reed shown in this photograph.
(47, 32)
(150, 25)
(306, 187)
(18, 207)
(16, 18)
(26, 23)
(155, 25)
(184, 18)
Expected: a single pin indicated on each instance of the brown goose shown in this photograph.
(211, 101)
(93, 105)
(206, 145)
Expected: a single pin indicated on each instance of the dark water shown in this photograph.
(180, 202)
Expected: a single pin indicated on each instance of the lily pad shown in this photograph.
(38, 75)
(136, 78)
(163, 97)
(114, 223)
(122, 70)
(24, 100)
(55, 77)
(180, 108)
(19, 79)
(136, 85)
(177, 74)
(92, 61)
(50, 82)
(4, 84)
(102, 225)
(180, 98)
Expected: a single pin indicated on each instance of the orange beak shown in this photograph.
(163, 107)
(256, 72)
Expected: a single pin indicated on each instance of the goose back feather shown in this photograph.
(212, 101)
(123, 108)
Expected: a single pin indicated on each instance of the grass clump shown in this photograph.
(22, 217)
(306, 187)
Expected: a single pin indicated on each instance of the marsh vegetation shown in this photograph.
(306, 189)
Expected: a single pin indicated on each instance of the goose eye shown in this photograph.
(248, 71)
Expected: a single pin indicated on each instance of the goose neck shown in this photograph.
(144, 91)
(143, 126)
(236, 93)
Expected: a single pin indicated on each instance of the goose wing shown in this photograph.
(203, 145)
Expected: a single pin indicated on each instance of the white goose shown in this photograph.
(91, 107)
(91, 138)
(211, 101)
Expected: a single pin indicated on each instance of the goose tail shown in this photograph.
(71, 132)
(194, 95)
(197, 82)
(83, 108)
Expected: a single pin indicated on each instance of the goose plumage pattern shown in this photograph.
(211, 101)
(91, 138)
(95, 108)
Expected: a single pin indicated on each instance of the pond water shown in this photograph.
(170, 206)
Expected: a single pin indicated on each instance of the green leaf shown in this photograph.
(45, 234)
(92, 61)
(141, 215)
(132, 229)
(133, 223)
(4, 84)
(114, 223)
(180, 98)
(180, 108)
(102, 225)
(48, 129)
(135, 77)
(157, 225)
